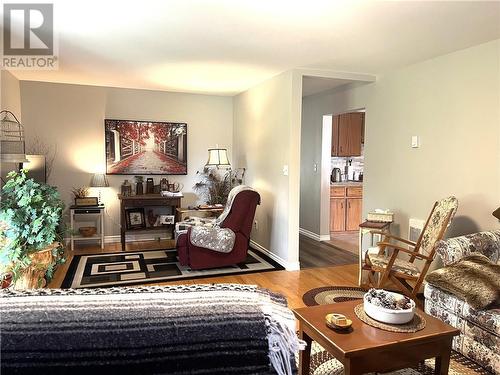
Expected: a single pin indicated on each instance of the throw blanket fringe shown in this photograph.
(283, 343)
(282, 339)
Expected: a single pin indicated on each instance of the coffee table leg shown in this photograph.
(442, 364)
(305, 355)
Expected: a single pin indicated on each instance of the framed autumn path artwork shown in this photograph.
(145, 147)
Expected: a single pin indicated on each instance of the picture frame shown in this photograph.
(135, 218)
(136, 147)
(167, 219)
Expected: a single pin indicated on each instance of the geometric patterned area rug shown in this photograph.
(323, 363)
(149, 266)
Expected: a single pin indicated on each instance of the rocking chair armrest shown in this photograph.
(408, 242)
(404, 250)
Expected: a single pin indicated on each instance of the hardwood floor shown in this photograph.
(292, 284)
(345, 241)
(322, 254)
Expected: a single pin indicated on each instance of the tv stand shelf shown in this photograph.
(141, 201)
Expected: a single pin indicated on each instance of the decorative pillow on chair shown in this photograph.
(474, 279)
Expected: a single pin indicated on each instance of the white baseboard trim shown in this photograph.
(314, 236)
(289, 266)
(130, 238)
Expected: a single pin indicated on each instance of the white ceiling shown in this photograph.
(315, 85)
(226, 46)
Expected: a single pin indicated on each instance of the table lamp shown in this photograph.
(217, 157)
(99, 180)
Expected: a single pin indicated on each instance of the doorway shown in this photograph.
(323, 99)
(346, 179)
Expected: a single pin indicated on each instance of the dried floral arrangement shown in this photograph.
(215, 186)
(80, 192)
(37, 146)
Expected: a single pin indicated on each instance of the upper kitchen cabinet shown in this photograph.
(347, 134)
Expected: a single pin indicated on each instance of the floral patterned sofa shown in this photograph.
(479, 339)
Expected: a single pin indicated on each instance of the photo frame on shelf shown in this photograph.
(135, 218)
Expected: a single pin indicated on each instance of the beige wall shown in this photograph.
(10, 99)
(452, 103)
(266, 137)
(10, 96)
(72, 117)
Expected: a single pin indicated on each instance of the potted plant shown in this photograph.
(30, 230)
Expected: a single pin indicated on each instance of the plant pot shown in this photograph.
(33, 277)
(6, 280)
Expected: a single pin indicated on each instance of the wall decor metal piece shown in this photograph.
(145, 147)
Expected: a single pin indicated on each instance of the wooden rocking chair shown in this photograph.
(405, 274)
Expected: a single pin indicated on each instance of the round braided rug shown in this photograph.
(332, 294)
(416, 324)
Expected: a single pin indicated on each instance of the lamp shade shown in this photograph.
(99, 180)
(218, 157)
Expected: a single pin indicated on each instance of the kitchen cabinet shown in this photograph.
(348, 134)
(353, 214)
(345, 207)
(337, 214)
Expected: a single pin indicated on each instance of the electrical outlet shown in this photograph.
(256, 224)
(285, 170)
(415, 141)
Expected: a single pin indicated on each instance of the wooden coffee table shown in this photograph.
(367, 349)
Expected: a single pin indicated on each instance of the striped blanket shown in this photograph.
(187, 329)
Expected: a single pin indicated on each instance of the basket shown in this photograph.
(381, 217)
(87, 231)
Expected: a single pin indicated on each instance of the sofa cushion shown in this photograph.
(466, 327)
(489, 320)
(400, 266)
(486, 243)
(473, 278)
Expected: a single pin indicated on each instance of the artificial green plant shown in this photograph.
(30, 220)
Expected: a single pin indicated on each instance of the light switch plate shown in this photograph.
(285, 170)
(415, 141)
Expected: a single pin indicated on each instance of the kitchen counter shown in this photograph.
(347, 183)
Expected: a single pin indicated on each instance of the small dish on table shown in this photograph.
(338, 321)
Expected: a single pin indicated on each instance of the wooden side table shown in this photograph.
(181, 211)
(365, 228)
(75, 212)
(368, 349)
(145, 200)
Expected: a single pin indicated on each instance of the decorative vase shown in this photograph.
(150, 186)
(139, 188)
(163, 184)
(33, 277)
(126, 189)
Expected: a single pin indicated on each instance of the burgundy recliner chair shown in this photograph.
(239, 220)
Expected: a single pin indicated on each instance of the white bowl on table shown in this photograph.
(389, 316)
